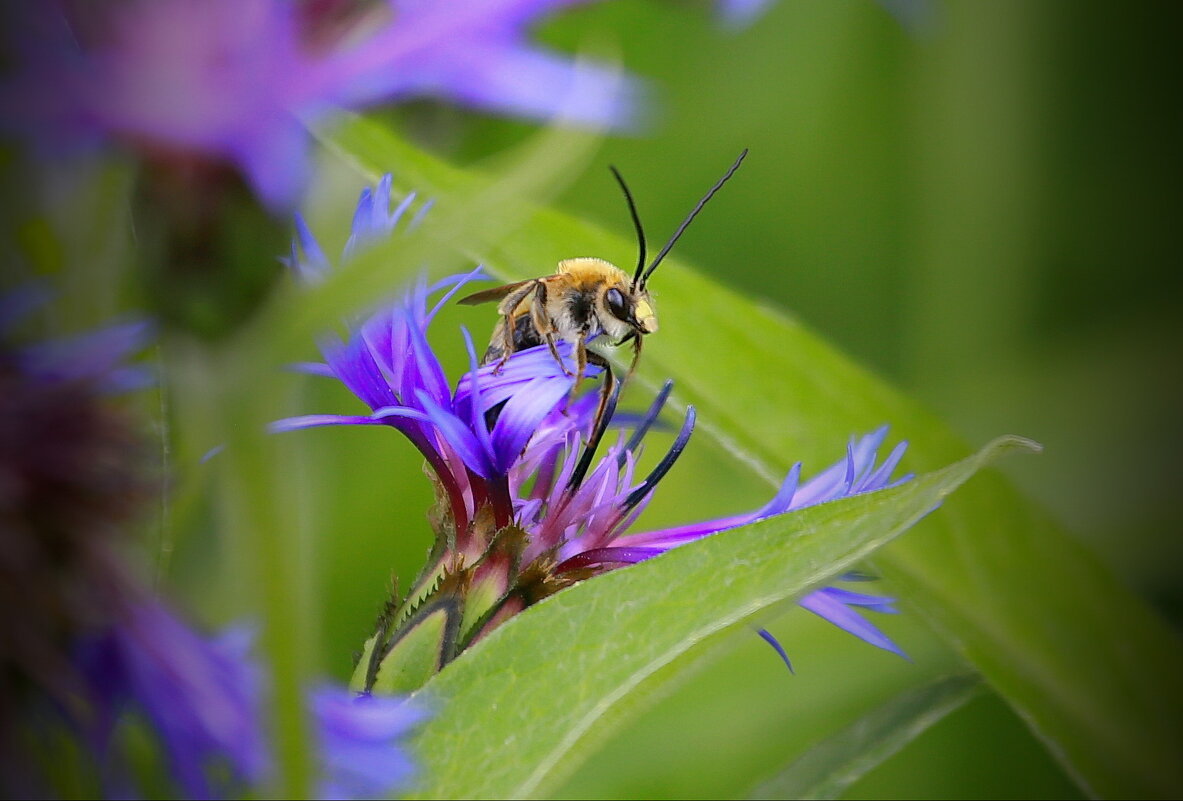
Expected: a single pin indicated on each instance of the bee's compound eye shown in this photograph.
(615, 300)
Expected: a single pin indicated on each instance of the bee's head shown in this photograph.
(631, 306)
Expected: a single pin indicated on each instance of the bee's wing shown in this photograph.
(496, 293)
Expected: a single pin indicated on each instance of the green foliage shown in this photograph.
(551, 676)
(1091, 669)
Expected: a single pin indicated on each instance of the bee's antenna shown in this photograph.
(632, 209)
(689, 217)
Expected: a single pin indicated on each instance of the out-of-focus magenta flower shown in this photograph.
(528, 504)
(238, 80)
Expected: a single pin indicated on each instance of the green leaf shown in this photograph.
(1085, 662)
(539, 686)
(834, 764)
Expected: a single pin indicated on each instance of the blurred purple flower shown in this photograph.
(204, 700)
(513, 453)
(358, 737)
(238, 80)
(85, 651)
(95, 356)
(199, 698)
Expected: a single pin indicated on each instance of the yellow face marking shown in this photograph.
(646, 316)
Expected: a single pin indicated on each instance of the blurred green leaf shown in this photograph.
(524, 706)
(831, 766)
(1089, 666)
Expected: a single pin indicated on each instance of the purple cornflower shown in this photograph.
(87, 654)
(238, 80)
(528, 506)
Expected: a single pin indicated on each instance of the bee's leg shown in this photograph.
(549, 338)
(581, 355)
(544, 326)
(496, 350)
(593, 358)
(596, 360)
(507, 325)
(632, 368)
(609, 380)
(509, 310)
(608, 394)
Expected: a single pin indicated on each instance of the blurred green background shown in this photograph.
(980, 203)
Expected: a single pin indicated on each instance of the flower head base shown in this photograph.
(533, 494)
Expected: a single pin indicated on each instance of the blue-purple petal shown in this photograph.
(312, 368)
(881, 476)
(417, 217)
(521, 416)
(318, 420)
(373, 218)
(878, 603)
(766, 635)
(476, 415)
(354, 365)
(453, 284)
(358, 742)
(456, 432)
(429, 373)
(832, 610)
(783, 500)
(499, 382)
(312, 266)
(837, 480)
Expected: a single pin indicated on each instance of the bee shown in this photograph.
(583, 299)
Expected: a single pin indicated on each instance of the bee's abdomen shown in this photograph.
(493, 353)
(525, 335)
